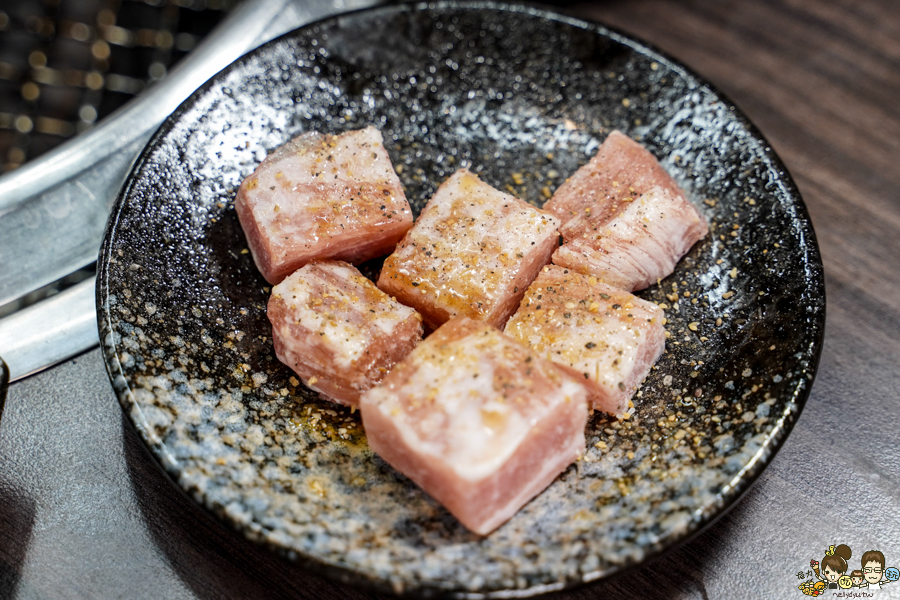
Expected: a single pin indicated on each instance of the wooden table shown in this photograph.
(86, 512)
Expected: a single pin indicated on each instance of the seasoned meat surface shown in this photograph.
(471, 252)
(337, 331)
(624, 219)
(605, 335)
(478, 420)
(322, 196)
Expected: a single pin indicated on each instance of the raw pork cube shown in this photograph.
(480, 422)
(472, 252)
(602, 334)
(337, 331)
(624, 219)
(640, 245)
(322, 196)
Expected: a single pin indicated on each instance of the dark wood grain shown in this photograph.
(85, 512)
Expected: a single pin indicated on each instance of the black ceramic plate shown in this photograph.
(523, 97)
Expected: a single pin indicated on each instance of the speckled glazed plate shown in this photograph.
(523, 97)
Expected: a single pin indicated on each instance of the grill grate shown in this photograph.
(65, 64)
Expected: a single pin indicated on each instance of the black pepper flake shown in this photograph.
(567, 315)
(604, 296)
(621, 386)
(590, 345)
(616, 306)
(415, 284)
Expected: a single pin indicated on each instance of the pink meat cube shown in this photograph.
(605, 335)
(322, 196)
(472, 252)
(337, 331)
(624, 219)
(479, 421)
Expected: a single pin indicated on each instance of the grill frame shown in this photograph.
(67, 64)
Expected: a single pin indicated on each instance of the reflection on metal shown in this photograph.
(53, 211)
(4, 384)
(47, 333)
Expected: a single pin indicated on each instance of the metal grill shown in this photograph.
(65, 64)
